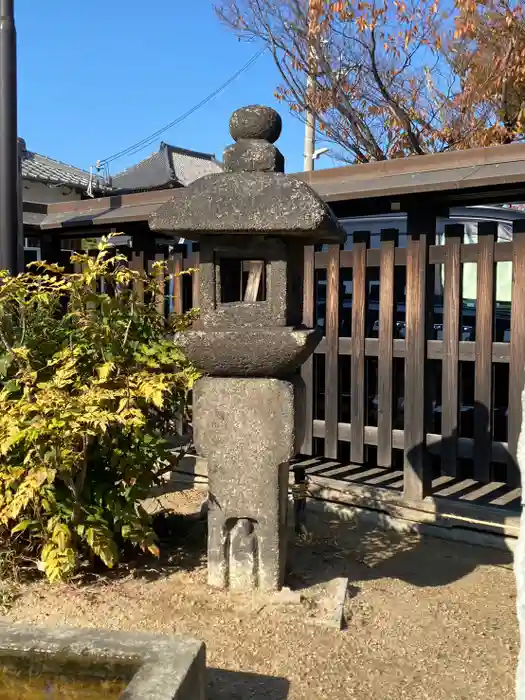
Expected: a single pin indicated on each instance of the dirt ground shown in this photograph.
(426, 619)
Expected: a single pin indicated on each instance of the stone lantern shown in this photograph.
(252, 222)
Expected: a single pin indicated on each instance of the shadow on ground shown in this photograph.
(338, 547)
(182, 543)
(233, 685)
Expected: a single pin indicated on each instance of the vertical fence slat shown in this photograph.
(331, 393)
(195, 280)
(357, 388)
(517, 347)
(421, 230)
(385, 369)
(487, 234)
(451, 321)
(178, 266)
(307, 370)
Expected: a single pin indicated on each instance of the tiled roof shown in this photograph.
(189, 166)
(167, 166)
(151, 173)
(44, 169)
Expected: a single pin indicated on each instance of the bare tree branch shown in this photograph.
(392, 78)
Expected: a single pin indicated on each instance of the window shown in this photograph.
(242, 280)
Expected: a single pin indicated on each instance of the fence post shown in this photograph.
(385, 363)
(421, 230)
(454, 234)
(137, 264)
(357, 387)
(193, 260)
(517, 348)
(307, 369)
(331, 391)
(485, 293)
(175, 268)
(160, 283)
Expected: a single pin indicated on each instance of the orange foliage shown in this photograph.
(391, 78)
(490, 42)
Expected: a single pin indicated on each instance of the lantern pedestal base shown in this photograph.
(245, 428)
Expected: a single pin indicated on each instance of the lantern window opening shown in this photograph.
(241, 280)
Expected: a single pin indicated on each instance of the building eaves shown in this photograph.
(170, 166)
(189, 166)
(40, 168)
(149, 174)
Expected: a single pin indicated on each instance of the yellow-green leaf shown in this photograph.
(105, 370)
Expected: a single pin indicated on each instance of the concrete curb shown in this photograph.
(158, 667)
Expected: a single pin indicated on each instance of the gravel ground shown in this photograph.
(425, 618)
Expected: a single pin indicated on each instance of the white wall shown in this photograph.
(46, 194)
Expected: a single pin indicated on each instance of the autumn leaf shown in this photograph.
(379, 55)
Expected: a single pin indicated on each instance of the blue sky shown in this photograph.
(98, 76)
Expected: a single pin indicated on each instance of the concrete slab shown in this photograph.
(158, 667)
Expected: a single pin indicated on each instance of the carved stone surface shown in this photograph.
(255, 122)
(252, 155)
(252, 223)
(245, 428)
(258, 352)
(248, 203)
(158, 667)
(283, 280)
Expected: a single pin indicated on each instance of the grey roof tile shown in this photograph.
(151, 173)
(167, 166)
(189, 166)
(44, 169)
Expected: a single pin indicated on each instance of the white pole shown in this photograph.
(309, 131)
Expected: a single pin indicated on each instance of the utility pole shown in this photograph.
(9, 162)
(309, 130)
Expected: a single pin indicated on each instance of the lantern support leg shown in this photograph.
(245, 429)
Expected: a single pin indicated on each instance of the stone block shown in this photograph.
(158, 667)
(193, 465)
(241, 204)
(272, 311)
(258, 352)
(329, 603)
(245, 428)
(253, 156)
(255, 122)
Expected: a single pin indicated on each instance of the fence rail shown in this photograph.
(411, 375)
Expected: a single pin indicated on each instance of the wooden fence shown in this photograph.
(418, 392)
(406, 378)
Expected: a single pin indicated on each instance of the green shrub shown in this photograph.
(88, 380)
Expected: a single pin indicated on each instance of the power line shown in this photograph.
(135, 148)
